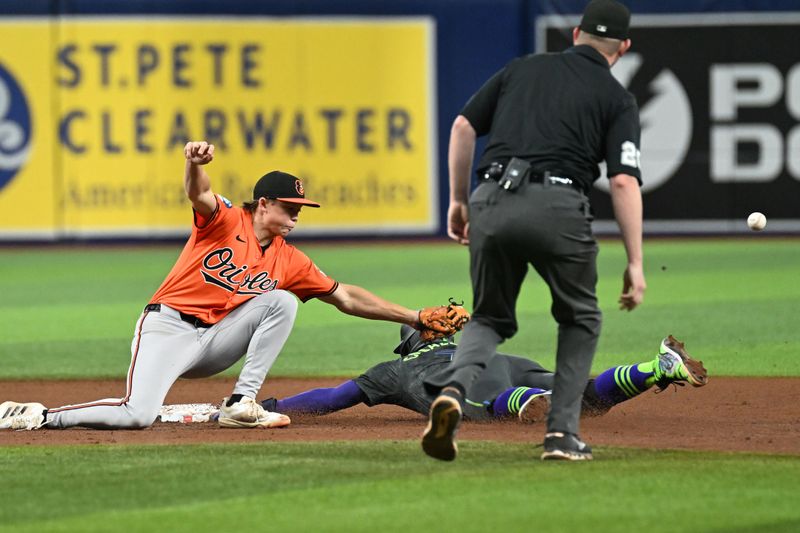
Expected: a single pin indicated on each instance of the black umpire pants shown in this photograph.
(548, 227)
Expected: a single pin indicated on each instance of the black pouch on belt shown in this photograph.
(515, 173)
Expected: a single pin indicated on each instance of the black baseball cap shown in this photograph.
(606, 18)
(282, 186)
(409, 341)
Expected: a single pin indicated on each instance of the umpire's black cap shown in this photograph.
(606, 18)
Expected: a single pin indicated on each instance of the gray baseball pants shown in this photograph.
(548, 227)
(166, 348)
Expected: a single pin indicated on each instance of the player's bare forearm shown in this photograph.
(357, 301)
(196, 182)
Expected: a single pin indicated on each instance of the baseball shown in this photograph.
(756, 221)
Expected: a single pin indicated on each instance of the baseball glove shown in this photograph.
(442, 320)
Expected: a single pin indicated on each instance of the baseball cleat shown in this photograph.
(22, 416)
(675, 365)
(439, 438)
(535, 409)
(565, 447)
(247, 413)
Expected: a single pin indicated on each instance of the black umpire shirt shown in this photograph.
(563, 112)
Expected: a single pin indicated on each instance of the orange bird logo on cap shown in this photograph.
(299, 186)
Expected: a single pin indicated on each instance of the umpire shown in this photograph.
(551, 119)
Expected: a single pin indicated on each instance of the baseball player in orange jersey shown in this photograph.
(229, 293)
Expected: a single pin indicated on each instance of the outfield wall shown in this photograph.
(97, 99)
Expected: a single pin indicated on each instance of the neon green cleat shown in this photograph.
(675, 365)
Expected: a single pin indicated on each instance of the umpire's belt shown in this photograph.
(545, 178)
(193, 320)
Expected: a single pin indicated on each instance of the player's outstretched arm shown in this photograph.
(357, 301)
(196, 182)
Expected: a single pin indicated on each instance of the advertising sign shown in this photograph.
(104, 106)
(719, 102)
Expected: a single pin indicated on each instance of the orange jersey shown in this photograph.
(222, 266)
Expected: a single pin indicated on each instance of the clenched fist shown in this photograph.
(199, 152)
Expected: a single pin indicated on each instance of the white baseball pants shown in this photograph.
(165, 348)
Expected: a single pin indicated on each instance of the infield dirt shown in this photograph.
(729, 414)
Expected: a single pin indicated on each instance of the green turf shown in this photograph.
(71, 312)
(390, 486)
